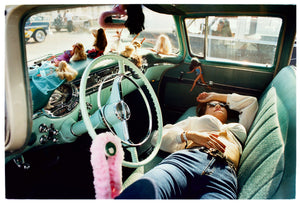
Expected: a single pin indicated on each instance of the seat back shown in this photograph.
(267, 165)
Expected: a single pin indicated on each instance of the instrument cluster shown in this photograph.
(66, 97)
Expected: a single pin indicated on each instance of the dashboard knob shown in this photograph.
(43, 139)
(43, 128)
(55, 140)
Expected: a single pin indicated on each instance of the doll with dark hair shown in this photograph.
(99, 44)
(196, 67)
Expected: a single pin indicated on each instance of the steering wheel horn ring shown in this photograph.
(115, 113)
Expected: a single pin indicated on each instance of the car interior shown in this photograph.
(134, 88)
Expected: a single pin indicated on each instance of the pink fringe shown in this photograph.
(107, 170)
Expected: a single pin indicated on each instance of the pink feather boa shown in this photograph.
(107, 170)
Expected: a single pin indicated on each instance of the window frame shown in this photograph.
(228, 62)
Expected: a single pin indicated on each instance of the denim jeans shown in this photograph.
(186, 174)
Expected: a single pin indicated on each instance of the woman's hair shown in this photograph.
(201, 108)
(227, 28)
(233, 116)
(101, 41)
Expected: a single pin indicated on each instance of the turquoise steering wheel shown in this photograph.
(115, 113)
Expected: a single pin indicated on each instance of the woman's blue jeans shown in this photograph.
(186, 174)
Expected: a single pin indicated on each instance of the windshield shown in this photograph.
(48, 33)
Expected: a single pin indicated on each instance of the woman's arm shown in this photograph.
(206, 139)
(171, 140)
(211, 96)
(217, 140)
(247, 106)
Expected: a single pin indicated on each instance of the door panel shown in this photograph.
(176, 97)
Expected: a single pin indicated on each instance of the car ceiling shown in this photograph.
(186, 9)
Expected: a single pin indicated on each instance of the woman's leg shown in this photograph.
(220, 184)
(180, 176)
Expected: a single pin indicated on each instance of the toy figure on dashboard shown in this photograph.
(76, 54)
(163, 45)
(65, 71)
(117, 42)
(131, 52)
(99, 44)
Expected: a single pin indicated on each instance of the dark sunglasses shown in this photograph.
(214, 104)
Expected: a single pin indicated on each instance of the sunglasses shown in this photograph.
(214, 104)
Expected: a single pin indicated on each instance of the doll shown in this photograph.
(65, 71)
(196, 66)
(131, 51)
(163, 45)
(117, 43)
(66, 56)
(78, 52)
(99, 44)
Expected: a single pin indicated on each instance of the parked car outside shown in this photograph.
(80, 23)
(37, 27)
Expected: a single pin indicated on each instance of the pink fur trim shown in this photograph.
(118, 10)
(107, 170)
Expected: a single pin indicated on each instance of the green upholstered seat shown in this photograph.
(267, 165)
(188, 113)
(262, 162)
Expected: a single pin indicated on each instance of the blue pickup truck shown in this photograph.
(37, 28)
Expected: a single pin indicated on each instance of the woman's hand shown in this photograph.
(206, 139)
(205, 97)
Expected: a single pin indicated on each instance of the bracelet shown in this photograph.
(184, 136)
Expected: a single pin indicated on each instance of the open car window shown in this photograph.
(243, 39)
(50, 34)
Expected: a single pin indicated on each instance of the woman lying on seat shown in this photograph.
(205, 152)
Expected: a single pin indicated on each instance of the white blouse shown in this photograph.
(247, 106)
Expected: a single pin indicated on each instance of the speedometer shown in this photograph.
(63, 100)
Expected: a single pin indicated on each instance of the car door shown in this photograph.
(242, 59)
